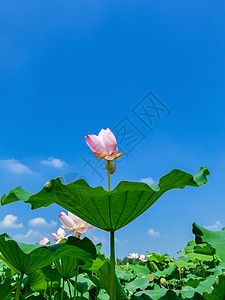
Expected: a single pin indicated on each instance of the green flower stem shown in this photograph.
(51, 290)
(62, 289)
(112, 254)
(108, 176)
(77, 273)
(17, 296)
(112, 265)
(180, 275)
(75, 284)
(69, 288)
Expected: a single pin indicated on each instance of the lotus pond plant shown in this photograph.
(88, 207)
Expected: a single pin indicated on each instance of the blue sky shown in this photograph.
(71, 68)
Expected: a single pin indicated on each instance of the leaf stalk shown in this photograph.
(17, 296)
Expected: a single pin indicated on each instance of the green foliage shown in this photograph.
(6, 288)
(214, 238)
(26, 258)
(75, 269)
(196, 275)
(112, 210)
(36, 281)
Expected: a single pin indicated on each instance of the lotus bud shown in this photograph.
(44, 241)
(110, 166)
(162, 280)
(104, 145)
(151, 277)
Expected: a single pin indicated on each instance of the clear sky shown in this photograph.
(71, 68)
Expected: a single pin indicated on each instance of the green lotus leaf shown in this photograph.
(36, 281)
(218, 289)
(102, 280)
(140, 271)
(203, 252)
(84, 284)
(51, 274)
(162, 294)
(112, 210)
(138, 283)
(204, 287)
(153, 294)
(215, 238)
(26, 258)
(124, 275)
(6, 288)
(104, 275)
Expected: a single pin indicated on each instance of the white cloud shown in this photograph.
(10, 222)
(148, 180)
(54, 162)
(39, 222)
(14, 166)
(99, 239)
(31, 236)
(26, 235)
(152, 232)
(217, 226)
(96, 238)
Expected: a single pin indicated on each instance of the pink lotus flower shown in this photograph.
(44, 241)
(142, 257)
(104, 145)
(72, 223)
(60, 235)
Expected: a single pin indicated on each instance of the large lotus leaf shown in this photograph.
(138, 283)
(211, 284)
(203, 252)
(6, 288)
(112, 210)
(26, 258)
(103, 280)
(215, 238)
(67, 267)
(124, 275)
(218, 289)
(84, 284)
(51, 274)
(96, 264)
(140, 271)
(162, 294)
(102, 295)
(167, 272)
(154, 295)
(36, 281)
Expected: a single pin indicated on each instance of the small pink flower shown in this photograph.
(72, 223)
(60, 235)
(103, 145)
(44, 241)
(142, 257)
(180, 269)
